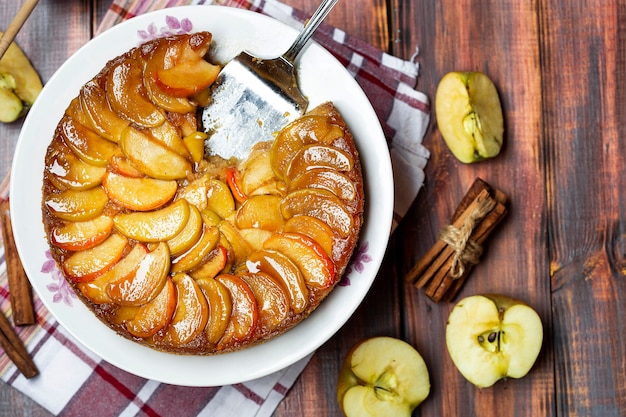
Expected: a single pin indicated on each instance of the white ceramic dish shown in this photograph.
(322, 78)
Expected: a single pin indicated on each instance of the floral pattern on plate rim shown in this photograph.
(173, 27)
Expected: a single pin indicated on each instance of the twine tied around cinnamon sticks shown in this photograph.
(446, 265)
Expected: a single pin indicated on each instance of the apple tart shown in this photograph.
(185, 252)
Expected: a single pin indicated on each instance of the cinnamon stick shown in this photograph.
(15, 349)
(20, 290)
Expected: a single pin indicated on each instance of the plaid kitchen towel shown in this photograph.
(94, 387)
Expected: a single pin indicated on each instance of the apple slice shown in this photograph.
(382, 376)
(241, 249)
(219, 198)
(233, 178)
(192, 312)
(317, 268)
(491, 337)
(322, 205)
(86, 144)
(469, 115)
(77, 205)
(187, 78)
(66, 170)
(220, 307)
(127, 95)
(190, 234)
(318, 156)
(326, 179)
(195, 145)
(75, 110)
(138, 194)
(168, 135)
(285, 272)
(214, 264)
(153, 158)
(97, 289)
(154, 226)
(255, 237)
(272, 300)
(194, 256)
(155, 315)
(122, 166)
(158, 58)
(88, 264)
(104, 120)
(262, 212)
(244, 315)
(313, 228)
(147, 280)
(76, 236)
(256, 171)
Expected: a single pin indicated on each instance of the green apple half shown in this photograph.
(491, 337)
(469, 115)
(382, 376)
(19, 84)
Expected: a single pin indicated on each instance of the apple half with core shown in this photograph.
(382, 376)
(469, 115)
(492, 337)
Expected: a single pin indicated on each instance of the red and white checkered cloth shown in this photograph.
(75, 382)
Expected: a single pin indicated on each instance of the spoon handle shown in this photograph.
(16, 25)
(309, 28)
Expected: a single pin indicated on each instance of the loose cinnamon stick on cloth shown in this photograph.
(446, 265)
(20, 290)
(15, 349)
(74, 381)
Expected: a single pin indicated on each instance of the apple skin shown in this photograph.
(382, 376)
(493, 337)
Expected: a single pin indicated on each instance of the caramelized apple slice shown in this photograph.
(196, 193)
(156, 95)
(104, 120)
(271, 298)
(241, 249)
(121, 165)
(88, 264)
(318, 156)
(154, 226)
(76, 111)
(191, 314)
(167, 134)
(313, 228)
(320, 204)
(219, 198)
(127, 96)
(138, 194)
(245, 314)
(220, 307)
(190, 234)
(88, 145)
(68, 171)
(256, 171)
(255, 237)
(326, 179)
(285, 272)
(212, 266)
(153, 158)
(316, 267)
(261, 211)
(155, 315)
(146, 282)
(97, 289)
(195, 144)
(76, 236)
(233, 178)
(194, 256)
(187, 78)
(76, 205)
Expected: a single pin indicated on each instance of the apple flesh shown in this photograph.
(382, 376)
(492, 337)
(469, 115)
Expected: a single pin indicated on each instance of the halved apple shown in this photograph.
(127, 95)
(316, 266)
(147, 280)
(77, 205)
(155, 315)
(245, 313)
(104, 120)
(87, 144)
(326, 179)
(154, 226)
(76, 236)
(138, 194)
(191, 314)
(220, 307)
(491, 337)
(88, 264)
(272, 300)
(318, 156)
(322, 205)
(262, 212)
(153, 158)
(382, 376)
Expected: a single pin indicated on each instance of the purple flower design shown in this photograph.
(60, 288)
(173, 27)
(356, 264)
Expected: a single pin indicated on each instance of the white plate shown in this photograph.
(323, 78)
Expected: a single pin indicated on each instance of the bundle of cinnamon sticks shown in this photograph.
(442, 271)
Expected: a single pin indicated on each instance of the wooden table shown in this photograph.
(560, 67)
